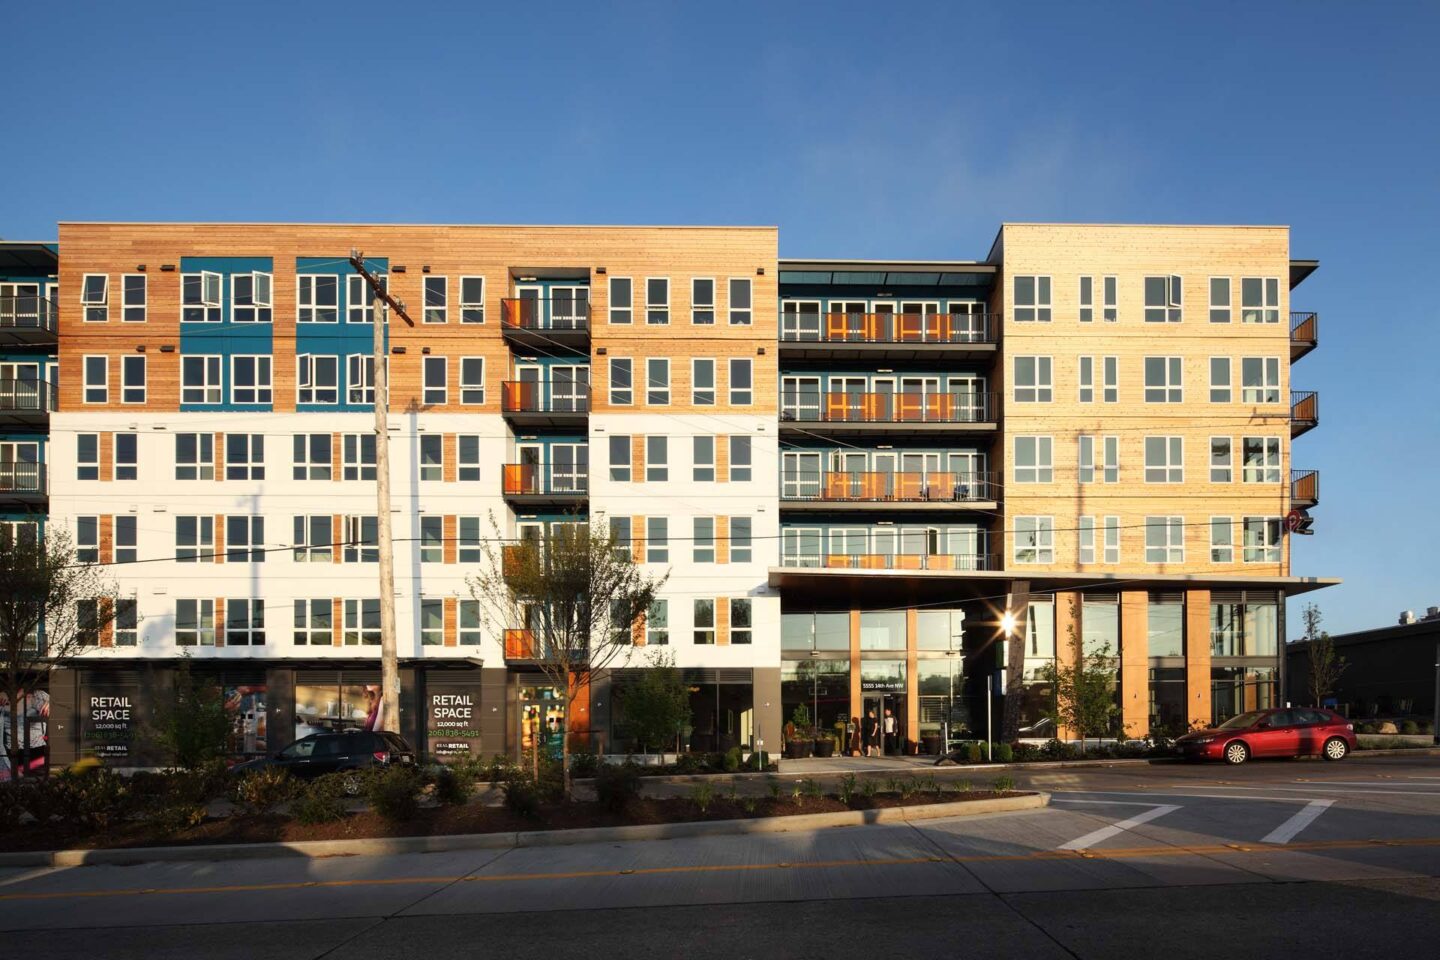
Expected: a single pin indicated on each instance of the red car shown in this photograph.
(1289, 732)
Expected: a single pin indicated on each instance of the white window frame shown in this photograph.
(133, 311)
(621, 314)
(309, 303)
(657, 468)
(1169, 551)
(1043, 469)
(1221, 391)
(742, 635)
(201, 635)
(1221, 311)
(308, 466)
(430, 395)
(742, 545)
(702, 470)
(360, 300)
(1086, 299)
(651, 390)
(702, 543)
(1099, 458)
(210, 392)
(264, 392)
(203, 464)
(203, 549)
(472, 391)
(742, 396)
(353, 622)
(1172, 469)
(251, 467)
(472, 310)
(430, 464)
(702, 314)
(307, 548)
(614, 391)
(435, 311)
(1222, 550)
(431, 548)
(260, 309)
(1034, 540)
(703, 634)
(1037, 309)
(1173, 309)
(657, 623)
(1085, 380)
(87, 463)
(1171, 388)
(96, 303)
(1085, 538)
(740, 316)
(352, 457)
(210, 300)
(1269, 389)
(1268, 309)
(1272, 456)
(1110, 379)
(432, 633)
(657, 539)
(90, 387)
(468, 469)
(742, 471)
(305, 379)
(620, 471)
(1110, 539)
(1222, 464)
(1269, 546)
(1110, 308)
(127, 386)
(249, 548)
(1041, 388)
(657, 313)
(133, 465)
(703, 396)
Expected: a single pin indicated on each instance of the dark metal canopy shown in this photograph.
(29, 257)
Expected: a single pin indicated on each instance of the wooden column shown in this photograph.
(912, 682)
(1197, 657)
(1068, 649)
(857, 701)
(1134, 662)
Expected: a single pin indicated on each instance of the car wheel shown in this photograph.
(1335, 749)
(1236, 753)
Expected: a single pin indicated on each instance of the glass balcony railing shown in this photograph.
(892, 561)
(887, 486)
(907, 328)
(529, 396)
(534, 480)
(857, 407)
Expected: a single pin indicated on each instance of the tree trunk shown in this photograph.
(12, 750)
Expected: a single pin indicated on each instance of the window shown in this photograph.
(657, 459)
(432, 457)
(312, 456)
(1111, 532)
(1222, 463)
(741, 540)
(1164, 459)
(657, 540)
(1262, 539)
(244, 622)
(1222, 540)
(704, 459)
(432, 623)
(620, 459)
(472, 299)
(740, 301)
(472, 380)
(1260, 380)
(1164, 539)
(1087, 379)
(1034, 539)
(87, 539)
(317, 379)
(1111, 387)
(742, 384)
(703, 544)
(195, 539)
(360, 378)
(133, 298)
(1259, 300)
(467, 457)
(1261, 460)
(467, 546)
(1107, 470)
(702, 382)
(250, 298)
(97, 379)
(244, 539)
(362, 539)
(621, 301)
(1219, 299)
(1032, 380)
(127, 456)
(742, 624)
(360, 300)
(1220, 380)
(250, 380)
(126, 539)
(432, 539)
(194, 456)
(622, 392)
(359, 456)
(702, 301)
(87, 456)
(317, 297)
(1087, 299)
(1162, 299)
(362, 622)
(1086, 537)
(1033, 462)
(469, 632)
(740, 459)
(95, 297)
(657, 381)
(436, 300)
(620, 536)
(200, 297)
(127, 622)
(1163, 380)
(657, 623)
(314, 539)
(195, 623)
(314, 623)
(657, 300)
(87, 623)
(1032, 300)
(704, 621)
(1112, 299)
(436, 373)
(200, 379)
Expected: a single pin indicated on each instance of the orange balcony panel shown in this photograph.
(519, 645)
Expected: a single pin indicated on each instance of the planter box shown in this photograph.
(825, 747)
(799, 749)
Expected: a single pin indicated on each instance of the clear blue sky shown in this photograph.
(862, 130)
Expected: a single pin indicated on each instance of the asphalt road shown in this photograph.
(1277, 859)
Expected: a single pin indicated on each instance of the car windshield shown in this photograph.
(1243, 720)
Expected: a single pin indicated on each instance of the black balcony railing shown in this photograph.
(27, 396)
(906, 328)
(933, 486)
(528, 396)
(1304, 487)
(1304, 333)
(22, 477)
(569, 314)
(893, 561)
(27, 313)
(533, 480)
(1304, 411)
(851, 407)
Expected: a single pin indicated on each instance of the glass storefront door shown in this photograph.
(541, 721)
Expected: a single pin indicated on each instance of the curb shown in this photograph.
(387, 846)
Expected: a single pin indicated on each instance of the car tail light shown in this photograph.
(381, 756)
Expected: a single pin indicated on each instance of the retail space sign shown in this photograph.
(108, 727)
(452, 720)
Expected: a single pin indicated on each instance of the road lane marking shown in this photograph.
(1288, 830)
(1115, 829)
(1108, 803)
(1319, 786)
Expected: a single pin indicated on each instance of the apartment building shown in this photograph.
(858, 474)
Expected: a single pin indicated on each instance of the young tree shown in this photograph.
(1311, 616)
(565, 602)
(51, 609)
(1084, 692)
(1326, 667)
(190, 723)
(657, 704)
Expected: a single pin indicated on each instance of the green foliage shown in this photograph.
(393, 791)
(964, 786)
(846, 790)
(92, 800)
(749, 805)
(261, 791)
(869, 788)
(1004, 753)
(12, 804)
(657, 704)
(190, 723)
(906, 788)
(811, 789)
(584, 764)
(322, 800)
(1084, 693)
(1002, 784)
(975, 753)
(800, 717)
(501, 768)
(774, 788)
(522, 797)
(616, 784)
(702, 795)
(1409, 728)
(731, 761)
(690, 763)
(452, 786)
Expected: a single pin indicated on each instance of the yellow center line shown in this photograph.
(1126, 853)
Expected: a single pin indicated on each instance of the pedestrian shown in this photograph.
(869, 732)
(890, 746)
(852, 737)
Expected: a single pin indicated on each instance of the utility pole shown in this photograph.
(380, 382)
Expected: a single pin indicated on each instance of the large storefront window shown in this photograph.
(941, 630)
(720, 715)
(336, 707)
(1165, 626)
(882, 688)
(941, 686)
(1167, 701)
(32, 735)
(882, 630)
(245, 709)
(1100, 627)
(822, 687)
(1244, 629)
(1039, 697)
(1233, 690)
(815, 631)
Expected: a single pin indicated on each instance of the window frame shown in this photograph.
(1043, 470)
(249, 467)
(741, 471)
(1222, 392)
(1272, 457)
(468, 469)
(309, 465)
(1169, 523)
(657, 469)
(1171, 388)
(657, 539)
(87, 462)
(1110, 385)
(1042, 533)
(306, 367)
(202, 550)
(652, 391)
(472, 311)
(96, 308)
(312, 302)
(703, 396)
(621, 472)
(741, 396)
(306, 546)
(431, 395)
(1085, 380)
(435, 311)
(1173, 309)
(1267, 311)
(1041, 389)
(264, 393)
(1173, 467)
(132, 311)
(628, 310)
(740, 316)
(198, 615)
(211, 392)
(1221, 312)
(1269, 390)
(699, 467)
(657, 313)
(92, 393)
(1222, 551)
(702, 633)
(259, 309)
(133, 463)
(1271, 547)
(614, 391)
(702, 542)
(131, 393)
(742, 635)
(1222, 467)
(700, 309)
(252, 543)
(472, 394)
(203, 465)
(1039, 308)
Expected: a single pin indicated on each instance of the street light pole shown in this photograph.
(1435, 728)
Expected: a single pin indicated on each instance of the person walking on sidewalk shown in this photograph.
(890, 746)
(870, 732)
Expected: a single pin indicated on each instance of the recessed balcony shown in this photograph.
(26, 403)
(529, 403)
(880, 490)
(841, 413)
(1304, 488)
(888, 336)
(27, 322)
(1304, 412)
(546, 322)
(894, 561)
(1304, 333)
(22, 484)
(524, 648)
(537, 485)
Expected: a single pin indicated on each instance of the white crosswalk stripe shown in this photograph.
(1115, 829)
(1290, 828)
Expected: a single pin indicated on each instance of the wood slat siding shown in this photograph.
(219, 621)
(107, 538)
(1197, 657)
(1135, 661)
(107, 457)
(337, 620)
(722, 539)
(450, 531)
(219, 549)
(449, 458)
(452, 622)
(722, 458)
(495, 252)
(1130, 253)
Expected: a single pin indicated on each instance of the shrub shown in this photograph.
(764, 760)
(702, 795)
(522, 797)
(452, 786)
(690, 763)
(1002, 784)
(393, 792)
(774, 787)
(12, 805)
(749, 805)
(584, 764)
(1054, 750)
(975, 753)
(811, 789)
(846, 790)
(1426, 726)
(616, 784)
(1409, 728)
(1026, 752)
(730, 763)
(92, 800)
(500, 768)
(964, 786)
(907, 787)
(869, 789)
(1004, 753)
(320, 801)
(261, 791)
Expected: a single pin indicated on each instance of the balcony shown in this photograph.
(1304, 334)
(534, 485)
(527, 403)
(27, 403)
(541, 323)
(524, 647)
(910, 491)
(27, 322)
(1304, 412)
(895, 561)
(22, 484)
(880, 414)
(888, 336)
(1304, 488)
